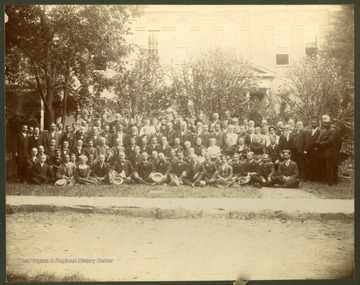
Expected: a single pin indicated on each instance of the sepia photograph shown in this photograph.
(179, 142)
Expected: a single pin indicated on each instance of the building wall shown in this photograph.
(256, 33)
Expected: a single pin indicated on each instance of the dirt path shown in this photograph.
(206, 249)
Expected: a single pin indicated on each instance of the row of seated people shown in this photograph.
(204, 170)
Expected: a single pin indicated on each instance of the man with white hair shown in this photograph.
(327, 139)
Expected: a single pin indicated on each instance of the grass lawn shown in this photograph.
(344, 190)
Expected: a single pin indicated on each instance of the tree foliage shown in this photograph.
(339, 47)
(214, 82)
(141, 88)
(313, 87)
(50, 48)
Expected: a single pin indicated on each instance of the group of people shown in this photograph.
(173, 150)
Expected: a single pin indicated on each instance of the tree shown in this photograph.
(313, 87)
(141, 88)
(214, 82)
(59, 43)
(339, 47)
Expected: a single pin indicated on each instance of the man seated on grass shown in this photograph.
(122, 168)
(239, 167)
(178, 171)
(41, 172)
(210, 169)
(163, 167)
(55, 162)
(195, 172)
(266, 170)
(287, 175)
(67, 171)
(224, 174)
(100, 170)
(252, 168)
(143, 169)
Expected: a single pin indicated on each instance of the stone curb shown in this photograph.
(180, 213)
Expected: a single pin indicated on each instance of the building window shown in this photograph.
(153, 42)
(153, 29)
(311, 36)
(282, 59)
(282, 37)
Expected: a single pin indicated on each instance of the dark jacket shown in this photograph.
(291, 170)
(98, 171)
(144, 169)
(327, 140)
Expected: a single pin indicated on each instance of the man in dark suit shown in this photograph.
(31, 161)
(52, 134)
(287, 175)
(94, 136)
(121, 168)
(195, 172)
(79, 135)
(215, 119)
(41, 172)
(100, 170)
(67, 135)
(36, 139)
(184, 134)
(312, 157)
(118, 121)
(164, 146)
(285, 140)
(178, 171)
(153, 146)
(107, 135)
(22, 152)
(327, 139)
(164, 167)
(219, 136)
(120, 134)
(298, 148)
(143, 170)
(273, 150)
